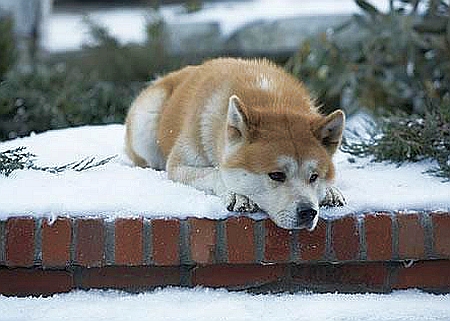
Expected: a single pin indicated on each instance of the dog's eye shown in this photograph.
(278, 176)
(313, 178)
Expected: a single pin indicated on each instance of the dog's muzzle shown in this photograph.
(306, 216)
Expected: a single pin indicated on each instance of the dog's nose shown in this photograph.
(305, 216)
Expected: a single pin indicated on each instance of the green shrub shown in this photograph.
(95, 86)
(192, 6)
(410, 138)
(52, 97)
(7, 44)
(393, 61)
(394, 64)
(114, 61)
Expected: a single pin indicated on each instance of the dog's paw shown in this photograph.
(240, 203)
(333, 197)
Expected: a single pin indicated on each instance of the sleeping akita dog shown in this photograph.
(244, 130)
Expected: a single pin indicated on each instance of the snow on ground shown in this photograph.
(119, 189)
(206, 304)
(128, 24)
(116, 189)
(230, 17)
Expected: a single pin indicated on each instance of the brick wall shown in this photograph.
(375, 252)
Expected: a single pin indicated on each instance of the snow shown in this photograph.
(128, 24)
(116, 189)
(370, 186)
(206, 304)
(119, 189)
(230, 17)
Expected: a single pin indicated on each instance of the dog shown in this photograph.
(244, 130)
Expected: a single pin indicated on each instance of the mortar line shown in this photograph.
(147, 242)
(185, 255)
(38, 241)
(184, 244)
(395, 233)
(362, 238)
(110, 242)
(425, 220)
(294, 246)
(74, 240)
(2, 242)
(77, 277)
(185, 275)
(329, 253)
(221, 243)
(259, 237)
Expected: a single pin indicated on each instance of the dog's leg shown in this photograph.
(333, 197)
(207, 179)
(191, 169)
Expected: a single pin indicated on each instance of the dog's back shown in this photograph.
(191, 105)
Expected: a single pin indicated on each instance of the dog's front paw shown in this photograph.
(333, 197)
(240, 203)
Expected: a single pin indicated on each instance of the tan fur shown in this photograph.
(184, 119)
(135, 158)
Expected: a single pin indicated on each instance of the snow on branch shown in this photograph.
(19, 159)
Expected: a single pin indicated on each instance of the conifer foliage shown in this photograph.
(396, 66)
(19, 159)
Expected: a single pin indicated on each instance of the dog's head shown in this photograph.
(281, 161)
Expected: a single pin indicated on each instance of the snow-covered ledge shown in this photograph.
(117, 226)
(377, 252)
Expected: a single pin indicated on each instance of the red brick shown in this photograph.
(238, 276)
(56, 240)
(202, 239)
(411, 239)
(277, 246)
(240, 240)
(166, 242)
(429, 275)
(90, 242)
(348, 277)
(378, 229)
(20, 241)
(129, 245)
(312, 245)
(131, 278)
(441, 234)
(26, 281)
(345, 238)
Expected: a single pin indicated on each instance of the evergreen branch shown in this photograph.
(53, 169)
(409, 139)
(18, 159)
(88, 163)
(14, 159)
(83, 165)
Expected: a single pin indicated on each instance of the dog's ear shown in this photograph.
(237, 120)
(329, 130)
